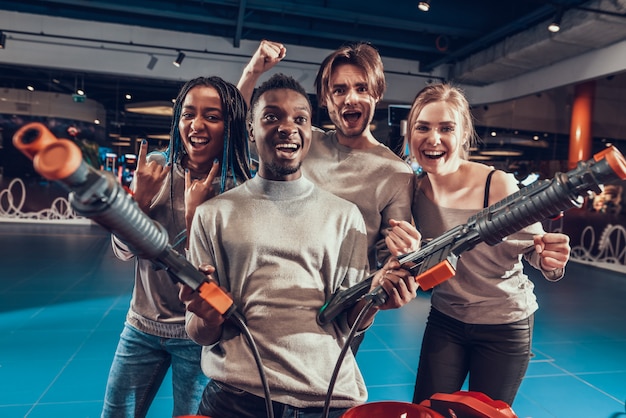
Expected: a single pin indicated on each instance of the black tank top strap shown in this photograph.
(487, 185)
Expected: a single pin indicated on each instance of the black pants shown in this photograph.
(495, 356)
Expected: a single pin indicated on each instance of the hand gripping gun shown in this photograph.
(435, 262)
(98, 195)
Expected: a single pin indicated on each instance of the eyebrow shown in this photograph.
(359, 84)
(449, 122)
(211, 108)
(277, 107)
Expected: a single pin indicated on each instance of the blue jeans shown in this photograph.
(140, 364)
(495, 356)
(224, 401)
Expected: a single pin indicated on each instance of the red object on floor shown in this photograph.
(468, 404)
(390, 409)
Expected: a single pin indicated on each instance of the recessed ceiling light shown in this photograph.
(150, 108)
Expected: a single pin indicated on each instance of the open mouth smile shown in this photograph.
(198, 141)
(433, 155)
(287, 147)
(352, 116)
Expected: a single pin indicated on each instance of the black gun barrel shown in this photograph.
(435, 262)
(544, 198)
(97, 195)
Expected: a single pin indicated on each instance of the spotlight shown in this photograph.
(152, 62)
(179, 59)
(555, 25)
(424, 5)
(3, 40)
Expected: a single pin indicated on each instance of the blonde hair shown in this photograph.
(454, 97)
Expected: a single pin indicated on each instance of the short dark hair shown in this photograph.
(275, 82)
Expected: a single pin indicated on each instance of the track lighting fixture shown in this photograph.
(3, 40)
(555, 25)
(152, 62)
(179, 59)
(424, 5)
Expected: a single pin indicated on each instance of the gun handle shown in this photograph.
(216, 297)
(439, 273)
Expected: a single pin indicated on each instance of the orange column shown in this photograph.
(580, 140)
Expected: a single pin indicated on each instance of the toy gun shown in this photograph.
(97, 195)
(435, 262)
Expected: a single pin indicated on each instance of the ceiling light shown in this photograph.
(555, 25)
(474, 157)
(424, 5)
(502, 153)
(179, 59)
(150, 108)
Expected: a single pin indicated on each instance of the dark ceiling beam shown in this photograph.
(301, 10)
(310, 12)
(239, 28)
(346, 16)
(598, 11)
(339, 37)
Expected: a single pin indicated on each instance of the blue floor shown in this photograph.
(63, 298)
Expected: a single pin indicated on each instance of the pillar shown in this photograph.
(580, 142)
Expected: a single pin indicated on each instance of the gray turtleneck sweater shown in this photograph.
(282, 248)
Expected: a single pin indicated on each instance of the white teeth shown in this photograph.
(290, 146)
(433, 155)
(199, 141)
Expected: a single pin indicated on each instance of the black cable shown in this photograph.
(342, 355)
(238, 319)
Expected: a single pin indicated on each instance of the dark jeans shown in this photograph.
(220, 400)
(495, 356)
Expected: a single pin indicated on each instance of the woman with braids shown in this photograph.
(207, 155)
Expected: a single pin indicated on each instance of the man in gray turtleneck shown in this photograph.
(281, 247)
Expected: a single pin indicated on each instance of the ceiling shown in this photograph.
(487, 46)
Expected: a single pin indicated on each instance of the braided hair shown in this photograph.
(236, 155)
